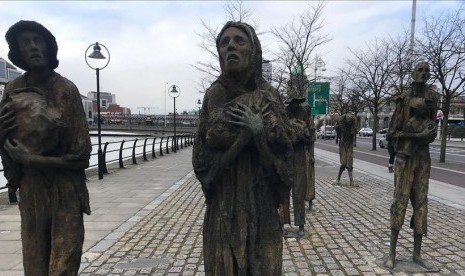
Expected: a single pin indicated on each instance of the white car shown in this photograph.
(383, 143)
(366, 131)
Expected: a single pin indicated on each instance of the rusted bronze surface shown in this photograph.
(243, 158)
(346, 128)
(45, 147)
(310, 158)
(414, 126)
(299, 125)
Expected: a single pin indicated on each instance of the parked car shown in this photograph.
(383, 131)
(383, 142)
(329, 132)
(366, 131)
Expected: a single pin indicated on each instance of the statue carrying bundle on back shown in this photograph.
(346, 129)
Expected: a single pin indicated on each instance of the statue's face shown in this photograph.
(235, 50)
(33, 49)
(421, 73)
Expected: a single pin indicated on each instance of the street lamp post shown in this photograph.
(319, 63)
(164, 92)
(198, 104)
(174, 93)
(97, 55)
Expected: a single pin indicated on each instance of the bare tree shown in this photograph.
(210, 68)
(442, 45)
(371, 70)
(399, 52)
(340, 91)
(282, 65)
(300, 38)
(235, 11)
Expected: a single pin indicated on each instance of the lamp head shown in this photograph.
(97, 54)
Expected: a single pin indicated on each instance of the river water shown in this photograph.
(129, 142)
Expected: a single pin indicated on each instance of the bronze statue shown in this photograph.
(413, 125)
(310, 158)
(45, 147)
(242, 156)
(298, 122)
(346, 129)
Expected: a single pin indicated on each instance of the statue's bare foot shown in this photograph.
(418, 260)
(390, 262)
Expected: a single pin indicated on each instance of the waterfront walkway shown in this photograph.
(147, 220)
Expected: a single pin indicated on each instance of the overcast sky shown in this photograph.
(155, 42)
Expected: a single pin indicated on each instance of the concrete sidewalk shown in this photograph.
(114, 202)
(147, 220)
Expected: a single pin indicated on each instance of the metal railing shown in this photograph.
(161, 145)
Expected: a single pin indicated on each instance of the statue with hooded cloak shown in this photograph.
(242, 157)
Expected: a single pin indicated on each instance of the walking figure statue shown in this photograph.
(413, 125)
(346, 129)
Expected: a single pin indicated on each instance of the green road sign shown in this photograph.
(318, 96)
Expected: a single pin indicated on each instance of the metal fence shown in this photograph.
(120, 151)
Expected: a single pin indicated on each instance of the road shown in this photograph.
(451, 172)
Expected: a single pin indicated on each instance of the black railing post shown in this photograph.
(167, 147)
(104, 159)
(121, 165)
(161, 145)
(143, 152)
(153, 148)
(134, 161)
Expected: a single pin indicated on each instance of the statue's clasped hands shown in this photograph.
(244, 117)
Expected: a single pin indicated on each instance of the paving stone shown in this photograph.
(346, 237)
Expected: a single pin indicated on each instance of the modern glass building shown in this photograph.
(7, 73)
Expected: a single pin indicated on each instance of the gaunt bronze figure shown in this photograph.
(45, 147)
(242, 156)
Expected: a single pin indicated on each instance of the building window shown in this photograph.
(13, 74)
(3, 70)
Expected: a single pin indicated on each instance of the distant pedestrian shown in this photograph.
(392, 152)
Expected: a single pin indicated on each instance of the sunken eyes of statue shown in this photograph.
(33, 49)
(235, 50)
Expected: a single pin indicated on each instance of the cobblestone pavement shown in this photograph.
(348, 233)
